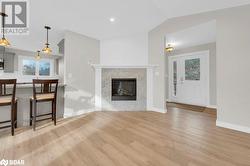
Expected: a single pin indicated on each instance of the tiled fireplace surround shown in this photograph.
(103, 84)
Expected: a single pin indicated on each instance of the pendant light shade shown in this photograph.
(47, 49)
(3, 41)
(38, 57)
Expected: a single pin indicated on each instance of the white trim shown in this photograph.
(207, 59)
(168, 100)
(98, 83)
(212, 106)
(208, 73)
(233, 126)
(82, 112)
(98, 66)
(154, 109)
(20, 67)
(150, 82)
(190, 53)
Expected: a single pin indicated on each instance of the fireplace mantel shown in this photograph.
(99, 66)
(150, 72)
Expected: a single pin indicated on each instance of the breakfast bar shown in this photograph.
(24, 66)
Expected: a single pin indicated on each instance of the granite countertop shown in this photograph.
(30, 85)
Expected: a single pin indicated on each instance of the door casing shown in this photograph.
(206, 53)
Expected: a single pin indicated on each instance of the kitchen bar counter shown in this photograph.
(29, 84)
(24, 91)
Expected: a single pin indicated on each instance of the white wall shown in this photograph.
(80, 51)
(130, 50)
(233, 64)
(233, 82)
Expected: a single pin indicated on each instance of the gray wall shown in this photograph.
(233, 66)
(80, 51)
(233, 41)
(212, 66)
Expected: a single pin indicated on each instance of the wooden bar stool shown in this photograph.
(8, 98)
(43, 91)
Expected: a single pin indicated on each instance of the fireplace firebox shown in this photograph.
(123, 89)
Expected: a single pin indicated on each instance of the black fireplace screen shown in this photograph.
(123, 89)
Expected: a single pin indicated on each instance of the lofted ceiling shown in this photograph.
(91, 17)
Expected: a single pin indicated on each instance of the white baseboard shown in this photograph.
(78, 113)
(159, 110)
(233, 126)
(168, 100)
(212, 106)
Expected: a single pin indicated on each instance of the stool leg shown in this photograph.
(16, 115)
(12, 121)
(54, 110)
(35, 113)
(31, 112)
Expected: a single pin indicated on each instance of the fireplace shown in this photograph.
(123, 89)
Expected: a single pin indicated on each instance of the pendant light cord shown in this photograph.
(3, 22)
(47, 36)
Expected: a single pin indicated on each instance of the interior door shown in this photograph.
(189, 78)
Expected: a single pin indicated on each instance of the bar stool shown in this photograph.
(43, 91)
(8, 98)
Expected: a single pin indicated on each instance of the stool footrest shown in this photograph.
(3, 127)
(7, 121)
(44, 115)
(43, 119)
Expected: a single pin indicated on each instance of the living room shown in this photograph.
(89, 83)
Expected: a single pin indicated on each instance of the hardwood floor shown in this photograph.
(179, 137)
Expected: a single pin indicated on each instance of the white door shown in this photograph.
(189, 78)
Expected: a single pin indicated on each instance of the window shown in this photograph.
(31, 67)
(175, 77)
(44, 68)
(192, 69)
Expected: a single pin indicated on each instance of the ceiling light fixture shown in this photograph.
(46, 49)
(4, 42)
(38, 57)
(112, 19)
(169, 48)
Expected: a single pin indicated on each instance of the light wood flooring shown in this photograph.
(179, 137)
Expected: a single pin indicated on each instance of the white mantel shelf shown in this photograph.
(98, 66)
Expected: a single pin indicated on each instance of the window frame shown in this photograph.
(20, 66)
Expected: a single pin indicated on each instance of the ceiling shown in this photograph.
(91, 17)
(197, 35)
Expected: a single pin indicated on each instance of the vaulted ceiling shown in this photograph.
(91, 17)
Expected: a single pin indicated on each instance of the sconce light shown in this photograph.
(169, 48)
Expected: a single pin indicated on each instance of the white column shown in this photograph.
(98, 89)
(150, 72)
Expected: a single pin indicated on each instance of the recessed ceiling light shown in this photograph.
(112, 19)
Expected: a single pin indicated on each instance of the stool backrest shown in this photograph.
(45, 86)
(8, 88)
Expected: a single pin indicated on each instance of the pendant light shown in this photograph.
(38, 57)
(3, 41)
(47, 49)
